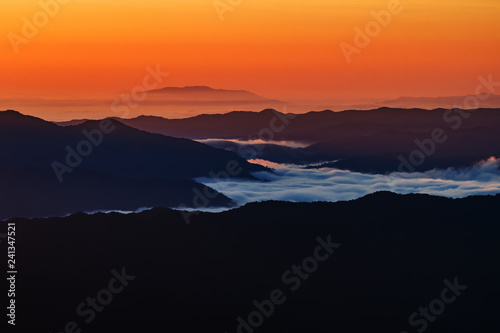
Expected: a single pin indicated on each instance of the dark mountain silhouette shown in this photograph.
(139, 154)
(35, 193)
(380, 152)
(236, 124)
(232, 125)
(72, 122)
(314, 126)
(395, 253)
(368, 141)
(130, 169)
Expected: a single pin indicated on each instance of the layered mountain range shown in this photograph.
(127, 164)
(375, 140)
(49, 170)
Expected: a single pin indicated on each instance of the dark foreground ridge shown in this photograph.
(391, 257)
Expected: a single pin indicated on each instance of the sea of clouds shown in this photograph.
(295, 183)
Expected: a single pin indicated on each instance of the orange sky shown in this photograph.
(284, 49)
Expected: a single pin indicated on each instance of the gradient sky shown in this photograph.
(285, 49)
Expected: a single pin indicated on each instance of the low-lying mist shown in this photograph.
(295, 183)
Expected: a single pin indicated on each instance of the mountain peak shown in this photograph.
(198, 88)
(12, 118)
(114, 122)
(269, 111)
(205, 94)
(11, 113)
(194, 89)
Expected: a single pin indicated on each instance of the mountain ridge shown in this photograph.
(391, 255)
(45, 171)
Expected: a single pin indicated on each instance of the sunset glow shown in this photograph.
(287, 50)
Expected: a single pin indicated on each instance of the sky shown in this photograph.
(282, 49)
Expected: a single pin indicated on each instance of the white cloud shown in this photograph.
(284, 143)
(294, 183)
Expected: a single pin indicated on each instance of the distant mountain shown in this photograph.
(491, 101)
(203, 93)
(378, 261)
(175, 102)
(99, 170)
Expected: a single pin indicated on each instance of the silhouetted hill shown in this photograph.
(102, 169)
(72, 122)
(16, 120)
(380, 152)
(236, 124)
(310, 127)
(395, 253)
(368, 141)
(28, 192)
